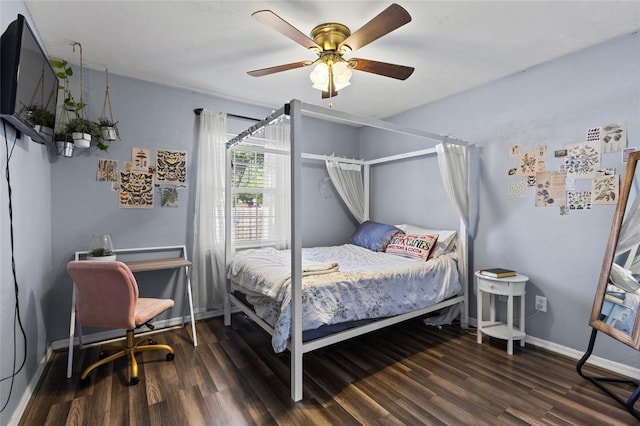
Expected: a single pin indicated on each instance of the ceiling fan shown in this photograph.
(331, 41)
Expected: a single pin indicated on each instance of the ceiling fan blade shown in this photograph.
(278, 68)
(386, 21)
(399, 72)
(272, 20)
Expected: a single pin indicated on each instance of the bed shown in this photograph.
(304, 296)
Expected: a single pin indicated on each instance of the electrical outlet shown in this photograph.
(541, 303)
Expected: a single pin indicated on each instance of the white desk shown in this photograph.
(510, 287)
(154, 264)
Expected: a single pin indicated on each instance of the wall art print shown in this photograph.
(517, 189)
(579, 200)
(169, 196)
(140, 159)
(582, 160)
(530, 163)
(605, 189)
(551, 189)
(136, 190)
(171, 166)
(612, 137)
(107, 171)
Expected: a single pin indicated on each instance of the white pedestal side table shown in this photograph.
(510, 287)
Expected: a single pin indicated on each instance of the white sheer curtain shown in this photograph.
(208, 272)
(347, 178)
(452, 159)
(277, 184)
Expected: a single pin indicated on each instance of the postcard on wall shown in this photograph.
(107, 171)
(551, 189)
(530, 163)
(579, 200)
(605, 189)
(169, 196)
(171, 166)
(582, 160)
(136, 190)
(612, 137)
(517, 189)
(141, 159)
(626, 152)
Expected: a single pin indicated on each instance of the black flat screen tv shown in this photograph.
(29, 85)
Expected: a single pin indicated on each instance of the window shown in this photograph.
(261, 189)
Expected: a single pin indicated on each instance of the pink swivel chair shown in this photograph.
(107, 297)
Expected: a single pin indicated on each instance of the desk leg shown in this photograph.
(522, 318)
(190, 295)
(510, 321)
(72, 331)
(479, 316)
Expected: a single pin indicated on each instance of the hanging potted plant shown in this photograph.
(64, 144)
(82, 131)
(108, 126)
(108, 130)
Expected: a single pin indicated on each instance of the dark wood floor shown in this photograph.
(407, 374)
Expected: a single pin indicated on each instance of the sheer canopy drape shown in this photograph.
(208, 272)
(277, 183)
(347, 178)
(454, 170)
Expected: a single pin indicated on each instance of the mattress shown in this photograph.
(340, 284)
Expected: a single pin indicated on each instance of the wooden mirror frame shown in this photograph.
(632, 340)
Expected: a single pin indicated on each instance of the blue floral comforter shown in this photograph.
(341, 283)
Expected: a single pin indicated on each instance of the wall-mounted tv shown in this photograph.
(29, 84)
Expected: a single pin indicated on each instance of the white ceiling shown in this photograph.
(209, 46)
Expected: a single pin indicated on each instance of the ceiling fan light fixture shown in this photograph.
(340, 72)
(341, 75)
(320, 76)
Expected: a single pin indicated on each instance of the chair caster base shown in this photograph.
(170, 356)
(134, 381)
(86, 381)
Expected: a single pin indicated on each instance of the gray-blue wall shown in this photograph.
(32, 228)
(552, 104)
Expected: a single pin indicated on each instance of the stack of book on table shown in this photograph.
(498, 272)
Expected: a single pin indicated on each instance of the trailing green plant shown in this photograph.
(77, 123)
(64, 71)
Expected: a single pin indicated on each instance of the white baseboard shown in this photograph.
(616, 367)
(31, 388)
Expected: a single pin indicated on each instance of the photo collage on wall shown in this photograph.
(580, 182)
(136, 181)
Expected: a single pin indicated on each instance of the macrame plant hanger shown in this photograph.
(108, 125)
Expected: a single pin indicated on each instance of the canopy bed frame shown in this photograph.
(295, 111)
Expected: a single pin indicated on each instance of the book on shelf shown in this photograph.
(498, 272)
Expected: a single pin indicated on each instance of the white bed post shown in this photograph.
(227, 232)
(295, 113)
(366, 191)
(463, 269)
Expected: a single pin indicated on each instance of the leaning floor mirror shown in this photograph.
(615, 309)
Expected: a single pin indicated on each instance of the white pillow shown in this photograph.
(446, 238)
